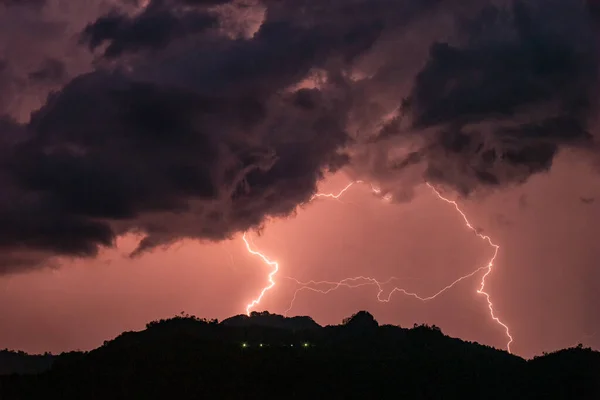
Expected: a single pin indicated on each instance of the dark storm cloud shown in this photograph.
(9, 84)
(22, 3)
(51, 71)
(189, 131)
(496, 106)
(109, 155)
(160, 23)
(5, 76)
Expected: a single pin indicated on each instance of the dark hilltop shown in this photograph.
(267, 356)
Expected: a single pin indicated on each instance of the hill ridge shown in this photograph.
(270, 356)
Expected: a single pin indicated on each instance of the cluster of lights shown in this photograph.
(245, 345)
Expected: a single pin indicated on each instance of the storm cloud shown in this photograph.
(182, 128)
(494, 106)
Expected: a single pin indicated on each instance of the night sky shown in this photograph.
(139, 140)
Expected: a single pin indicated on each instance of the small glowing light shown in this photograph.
(305, 344)
(244, 345)
(260, 345)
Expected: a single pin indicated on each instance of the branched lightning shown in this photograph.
(332, 195)
(367, 281)
(273, 264)
(325, 287)
(489, 266)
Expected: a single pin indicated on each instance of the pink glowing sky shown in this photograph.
(544, 285)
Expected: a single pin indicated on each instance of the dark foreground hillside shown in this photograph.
(270, 357)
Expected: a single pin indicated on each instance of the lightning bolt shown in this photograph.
(368, 281)
(360, 281)
(273, 272)
(489, 266)
(274, 264)
(335, 196)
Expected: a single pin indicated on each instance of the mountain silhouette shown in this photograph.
(268, 356)
(23, 363)
(362, 320)
(265, 319)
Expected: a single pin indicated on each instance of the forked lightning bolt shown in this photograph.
(367, 281)
(489, 267)
(275, 266)
(325, 287)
